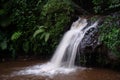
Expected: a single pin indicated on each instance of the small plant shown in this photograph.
(43, 34)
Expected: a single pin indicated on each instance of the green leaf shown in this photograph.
(16, 35)
(47, 35)
(38, 32)
(42, 36)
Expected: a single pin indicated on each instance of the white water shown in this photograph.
(65, 54)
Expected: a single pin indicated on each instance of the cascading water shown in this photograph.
(65, 54)
(69, 44)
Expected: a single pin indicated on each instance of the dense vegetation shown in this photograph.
(34, 27)
(110, 33)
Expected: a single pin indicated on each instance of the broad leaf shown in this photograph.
(38, 32)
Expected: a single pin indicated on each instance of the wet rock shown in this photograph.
(93, 52)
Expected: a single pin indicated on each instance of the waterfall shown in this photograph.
(64, 56)
(69, 44)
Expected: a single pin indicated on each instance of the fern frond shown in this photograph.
(16, 35)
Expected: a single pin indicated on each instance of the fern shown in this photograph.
(16, 35)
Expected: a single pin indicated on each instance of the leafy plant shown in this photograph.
(101, 6)
(25, 36)
(43, 34)
(110, 33)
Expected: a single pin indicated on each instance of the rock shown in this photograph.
(93, 52)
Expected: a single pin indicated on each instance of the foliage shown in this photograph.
(16, 35)
(44, 35)
(110, 33)
(33, 26)
(101, 6)
(3, 42)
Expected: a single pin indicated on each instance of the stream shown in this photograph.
(7, 69)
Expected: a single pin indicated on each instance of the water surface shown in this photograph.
(7, 69)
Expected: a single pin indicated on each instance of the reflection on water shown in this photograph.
(88, 74)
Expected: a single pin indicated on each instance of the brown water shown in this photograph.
(88, 74)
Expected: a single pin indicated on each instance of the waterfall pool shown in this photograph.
(8, 68)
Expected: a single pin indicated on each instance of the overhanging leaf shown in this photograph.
(38, 32)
